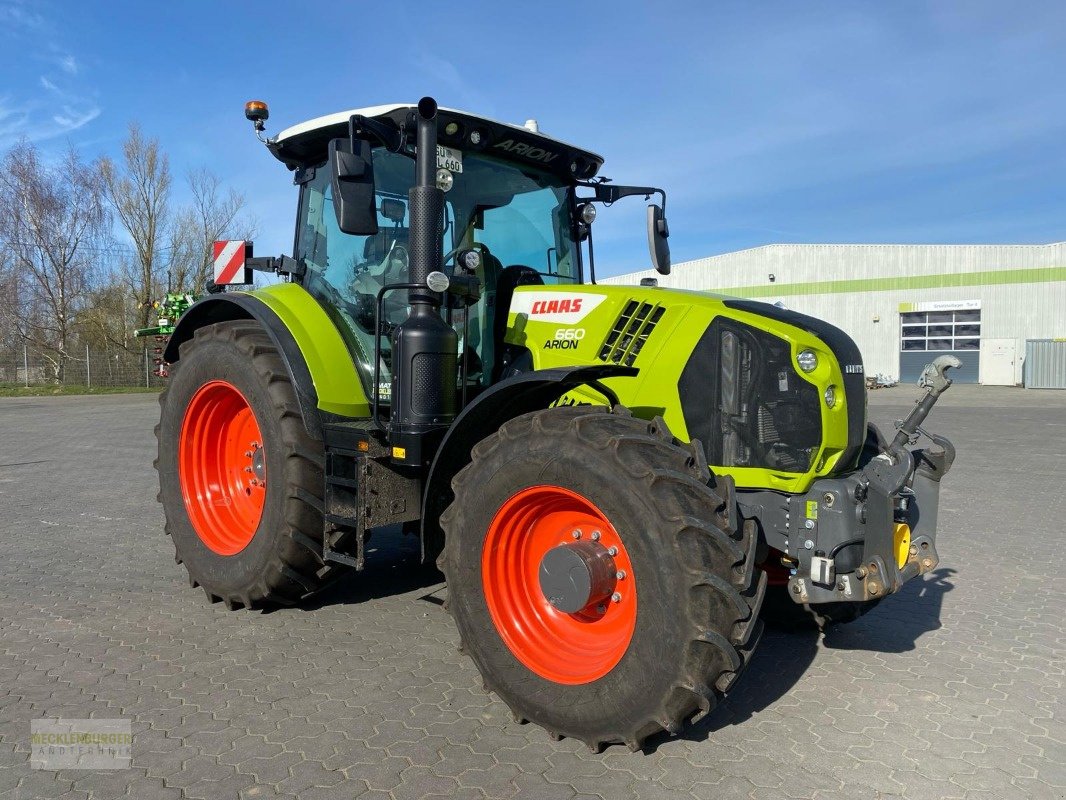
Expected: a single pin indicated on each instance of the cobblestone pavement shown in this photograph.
(954, 688)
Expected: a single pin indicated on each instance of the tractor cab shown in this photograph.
(509, 220)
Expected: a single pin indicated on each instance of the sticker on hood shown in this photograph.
(565, 308)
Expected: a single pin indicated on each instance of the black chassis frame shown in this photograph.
(850, 521)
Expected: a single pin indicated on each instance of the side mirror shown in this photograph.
(352, 181)
(658, 234)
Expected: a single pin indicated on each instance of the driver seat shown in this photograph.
(508, 279)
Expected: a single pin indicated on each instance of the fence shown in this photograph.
(82, 366)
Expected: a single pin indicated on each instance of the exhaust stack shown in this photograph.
(424, 346)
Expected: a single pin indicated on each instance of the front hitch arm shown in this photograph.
(934, 379)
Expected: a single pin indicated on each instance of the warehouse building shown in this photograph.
(906, 304)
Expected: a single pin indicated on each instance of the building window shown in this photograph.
(940, 330)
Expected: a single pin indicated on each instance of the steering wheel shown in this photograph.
(397, 263)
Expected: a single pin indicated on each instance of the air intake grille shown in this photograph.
(630, 332)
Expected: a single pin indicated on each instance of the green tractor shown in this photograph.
(611, 478)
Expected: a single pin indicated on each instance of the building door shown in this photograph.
(999, 358)
(928, 330)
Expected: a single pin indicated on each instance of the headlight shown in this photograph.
(587, 213)
(808, 360)
(445, 180)
(831, 395)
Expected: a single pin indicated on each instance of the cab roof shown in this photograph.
(307, 142)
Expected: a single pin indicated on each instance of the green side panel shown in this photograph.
(562, 338)
(992, 277)
(331, 366)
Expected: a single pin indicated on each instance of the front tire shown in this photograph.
(240, 479)
(671, 629)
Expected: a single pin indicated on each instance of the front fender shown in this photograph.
(528, 391)
(316, 358)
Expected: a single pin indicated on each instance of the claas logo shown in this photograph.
(568, 304)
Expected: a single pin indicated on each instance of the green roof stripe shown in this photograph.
(986, 278)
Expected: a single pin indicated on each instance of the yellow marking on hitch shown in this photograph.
(902, 540)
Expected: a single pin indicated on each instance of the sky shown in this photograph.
(909, 122)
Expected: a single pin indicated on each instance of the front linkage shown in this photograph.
(858, 538)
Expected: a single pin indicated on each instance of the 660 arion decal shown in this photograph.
(566, 308)
(229, 259)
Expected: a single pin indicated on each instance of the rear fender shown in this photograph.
(316, 359)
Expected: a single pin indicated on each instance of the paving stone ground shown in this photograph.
(951, 689)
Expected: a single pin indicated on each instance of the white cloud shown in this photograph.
(69, 64)
(17, 15)
(38, 121)
(72, 119)
(47, 84)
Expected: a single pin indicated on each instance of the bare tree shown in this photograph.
(139, 191)
(212, 215)
(107, 322)
(53, 221)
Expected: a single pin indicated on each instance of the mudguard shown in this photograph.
(315, 356)
(528, 391)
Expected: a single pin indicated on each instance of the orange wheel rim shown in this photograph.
(222, 468)
(568, 648)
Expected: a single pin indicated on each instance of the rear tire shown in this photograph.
(696, 624)
(244, 563)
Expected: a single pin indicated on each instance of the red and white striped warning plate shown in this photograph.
(229, 261)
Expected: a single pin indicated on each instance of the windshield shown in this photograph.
(515, 216)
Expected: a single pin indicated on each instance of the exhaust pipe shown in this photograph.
(424, 346)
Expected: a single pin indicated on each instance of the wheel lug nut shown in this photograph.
(595, 536)
(616, 597)
(612, 550)
(576, 534)
(620, 574)
(247, 453)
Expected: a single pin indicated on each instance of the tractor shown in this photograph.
(611, 478)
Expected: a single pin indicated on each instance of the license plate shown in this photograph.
(449, 159)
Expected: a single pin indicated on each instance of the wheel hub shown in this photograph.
(258, 462)
(576, 576)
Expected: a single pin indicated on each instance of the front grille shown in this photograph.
(630, 332)
(743, 399)
(846, 353)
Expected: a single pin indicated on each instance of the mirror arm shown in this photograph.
(608, 193)
(360, 127)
